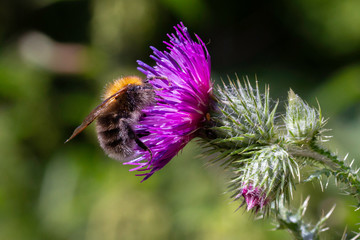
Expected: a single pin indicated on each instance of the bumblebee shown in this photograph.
(116, 116)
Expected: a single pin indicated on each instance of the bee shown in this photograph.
(121, 109)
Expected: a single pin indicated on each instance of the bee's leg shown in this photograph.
(143, 146)
(133, 136)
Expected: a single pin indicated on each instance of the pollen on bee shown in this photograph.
(120, 83)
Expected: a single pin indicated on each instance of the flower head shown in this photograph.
(181, 78)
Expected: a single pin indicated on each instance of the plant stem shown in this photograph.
(342, 172)
(325, 158)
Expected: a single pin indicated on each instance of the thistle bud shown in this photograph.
(267, 177)
(302, 122)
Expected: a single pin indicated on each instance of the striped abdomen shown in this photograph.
(116, 136)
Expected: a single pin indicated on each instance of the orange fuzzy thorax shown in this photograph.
(120, 83)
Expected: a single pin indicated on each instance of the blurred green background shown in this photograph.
(55, 58)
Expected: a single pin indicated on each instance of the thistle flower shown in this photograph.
(181, 78)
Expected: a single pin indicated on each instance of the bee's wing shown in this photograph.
(96, 113)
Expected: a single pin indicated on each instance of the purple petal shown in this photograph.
(182, 100)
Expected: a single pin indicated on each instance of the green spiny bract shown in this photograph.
(303, 123)
(270, 171)
(265, 155)
(242, 121)
(246, 139)
(295, 224)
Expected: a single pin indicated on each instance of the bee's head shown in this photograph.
(120, 84)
